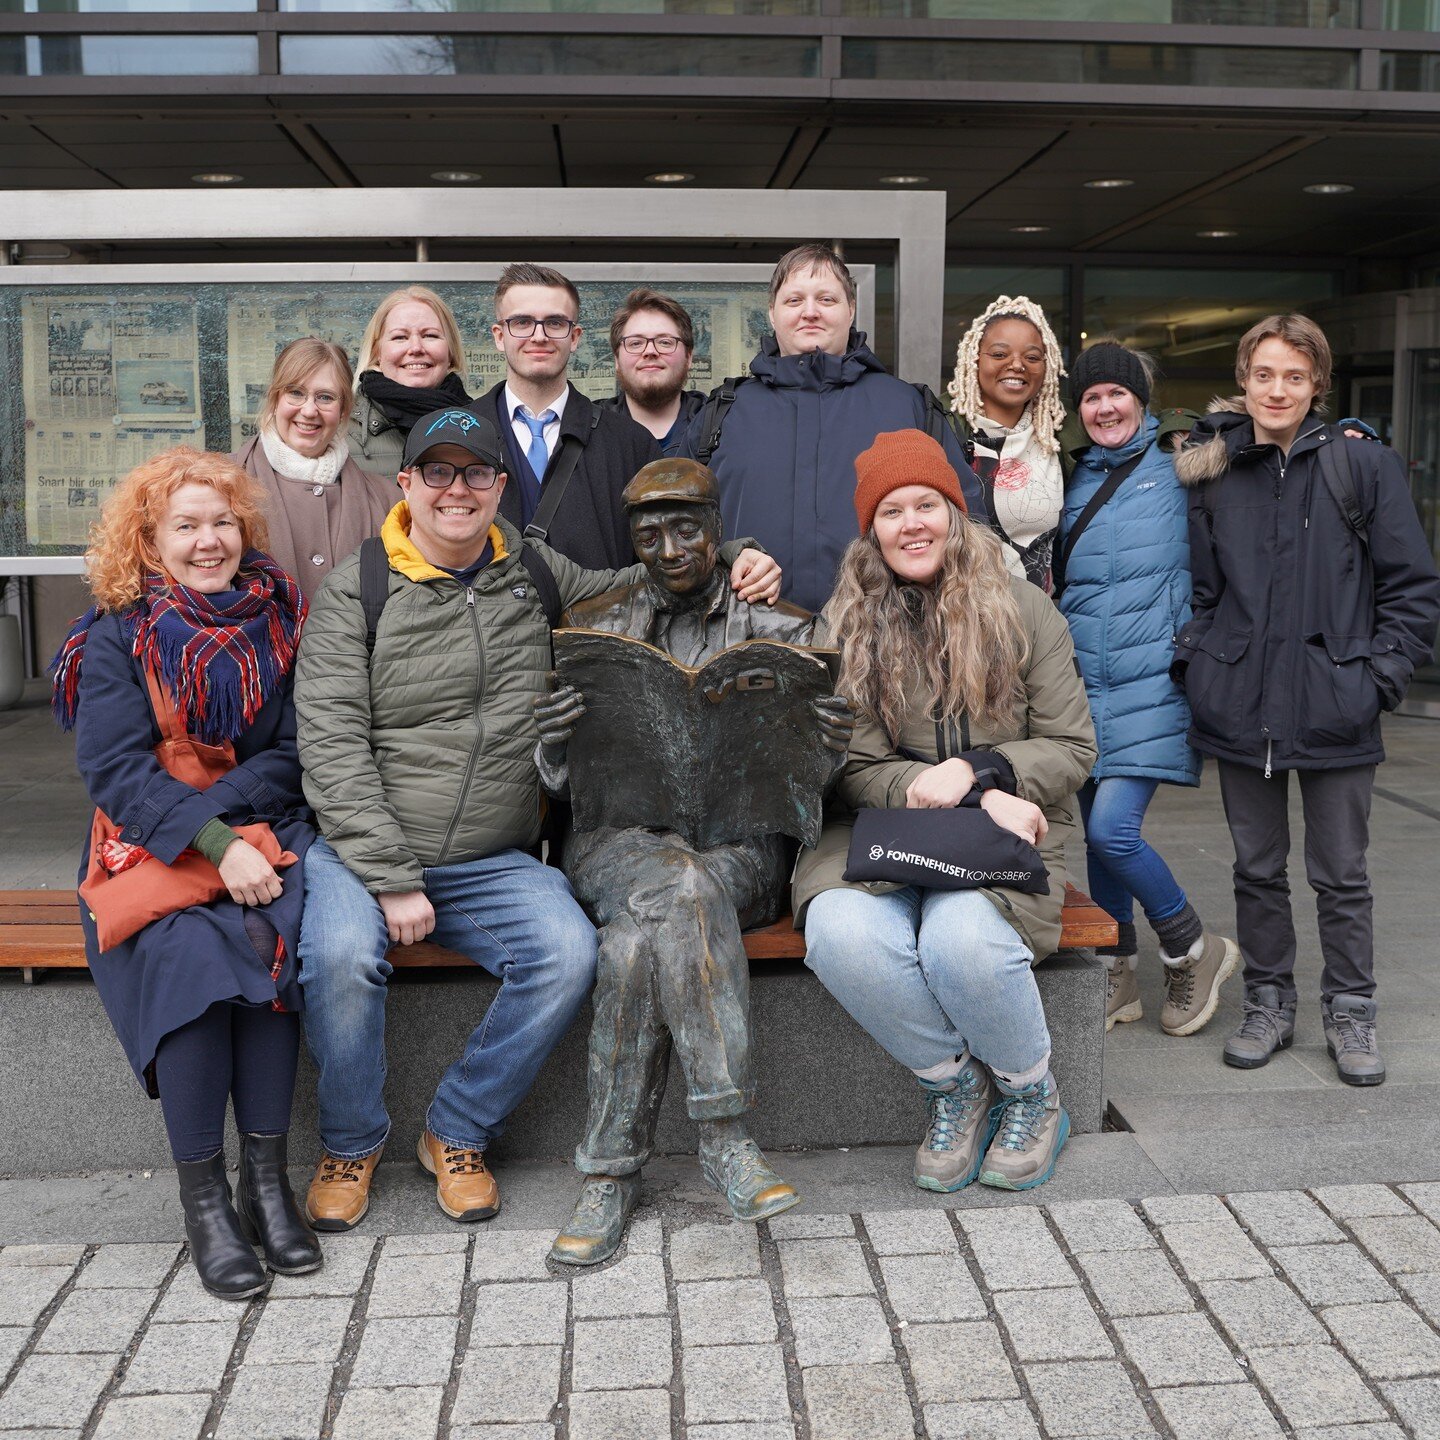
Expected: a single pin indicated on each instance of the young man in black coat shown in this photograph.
(1315, 597)
(539, 415)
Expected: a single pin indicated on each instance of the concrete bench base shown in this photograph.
(71, 1104)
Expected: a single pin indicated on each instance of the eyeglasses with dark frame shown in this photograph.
(635, 344)
(440, 475)
(556, 327)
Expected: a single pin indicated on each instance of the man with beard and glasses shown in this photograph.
(653, 340)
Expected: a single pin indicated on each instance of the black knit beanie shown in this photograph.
(1108, 364)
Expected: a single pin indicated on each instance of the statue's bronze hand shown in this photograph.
(836, 721)
(555, 717)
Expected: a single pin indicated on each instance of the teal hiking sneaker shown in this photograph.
(1031, 1127)
(959, 1129)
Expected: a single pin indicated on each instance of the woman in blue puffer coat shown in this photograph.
(1125, 570)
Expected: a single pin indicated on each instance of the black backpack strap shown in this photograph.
(1340, 482)
(374, 586)
(543, 578)
(937, 422)
(712, 416)
(558, 480)
(1116, 478)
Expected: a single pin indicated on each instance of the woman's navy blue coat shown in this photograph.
(1127, 596)
(180, 965)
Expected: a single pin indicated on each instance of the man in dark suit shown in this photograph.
(540, 416)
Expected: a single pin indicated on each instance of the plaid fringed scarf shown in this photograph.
(220, 656)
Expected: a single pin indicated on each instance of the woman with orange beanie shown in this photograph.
(964, 684)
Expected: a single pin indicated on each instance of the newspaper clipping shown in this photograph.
(108, 382)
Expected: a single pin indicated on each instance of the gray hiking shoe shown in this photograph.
(1030, 1129)
(1350, 1039)
(1194, 987)
(959, 1130)
(1268, 1026)
(1122, 992)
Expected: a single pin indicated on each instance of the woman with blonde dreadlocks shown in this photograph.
(1006, 399)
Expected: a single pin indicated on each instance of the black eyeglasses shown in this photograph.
(556, 327)
(440, 475)
(635, 344)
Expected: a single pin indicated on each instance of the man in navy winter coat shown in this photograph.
(816, 397)
(1305, 627)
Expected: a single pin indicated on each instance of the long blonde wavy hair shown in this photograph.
(963, 633)
(1047, 409)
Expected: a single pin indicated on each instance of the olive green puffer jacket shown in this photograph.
(422, 753)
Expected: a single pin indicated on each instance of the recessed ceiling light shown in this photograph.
(669, 177)
(1107, 184)
(217, 177)
(904, 179)
(1329, 187)
(1029, 229)
(1217, 234)
(455, 177)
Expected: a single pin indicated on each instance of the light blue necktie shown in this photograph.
(537, 454)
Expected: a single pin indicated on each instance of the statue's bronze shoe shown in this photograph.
(738, 1171)
(597, 1225)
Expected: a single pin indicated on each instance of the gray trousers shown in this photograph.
(672, 968)
(1337, 833)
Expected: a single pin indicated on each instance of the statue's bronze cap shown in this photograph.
(672, 479)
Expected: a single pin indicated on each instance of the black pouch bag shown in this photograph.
(955, 849)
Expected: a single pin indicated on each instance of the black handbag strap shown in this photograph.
(1117, 477)
(553, 491)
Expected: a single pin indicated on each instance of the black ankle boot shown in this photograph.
(267, 1209)
(227, 1265)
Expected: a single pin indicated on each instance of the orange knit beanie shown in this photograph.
(897, 458)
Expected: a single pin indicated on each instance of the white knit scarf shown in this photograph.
(322, 470)
(1029, 485)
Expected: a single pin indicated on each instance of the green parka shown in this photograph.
(1051, 748)
(377, 443)
(421, 754)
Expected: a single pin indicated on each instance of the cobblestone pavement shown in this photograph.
(1265, 1314)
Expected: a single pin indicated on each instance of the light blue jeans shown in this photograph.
(506, 912)
(930, 974)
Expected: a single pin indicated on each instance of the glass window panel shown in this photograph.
(1412, 15)
(122, 7)
(130, 55)
(1307, 14)
(1191, 320)
(566, 7)
(1043, 62)
(548, 55)
(1407, 70)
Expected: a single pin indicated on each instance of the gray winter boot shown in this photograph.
(1268, 1026)
(1350, 1039)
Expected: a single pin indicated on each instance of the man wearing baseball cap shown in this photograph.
(416, 735)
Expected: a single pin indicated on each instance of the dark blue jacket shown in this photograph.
(178, 966)
(786, 458)
(1300, 635)
(1126, 597)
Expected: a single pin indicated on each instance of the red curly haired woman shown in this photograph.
(189, 646)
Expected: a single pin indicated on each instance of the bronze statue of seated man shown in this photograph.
(672, 967)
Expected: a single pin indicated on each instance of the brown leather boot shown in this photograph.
(339, 1195)
(464, 1188)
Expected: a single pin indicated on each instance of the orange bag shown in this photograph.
(123, 904)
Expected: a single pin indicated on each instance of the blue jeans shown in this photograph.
(1122, 867)
(506, 912)
(930, 974)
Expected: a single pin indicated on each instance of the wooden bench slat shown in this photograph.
(39, 930)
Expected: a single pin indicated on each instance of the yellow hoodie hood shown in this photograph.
(405, 556)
